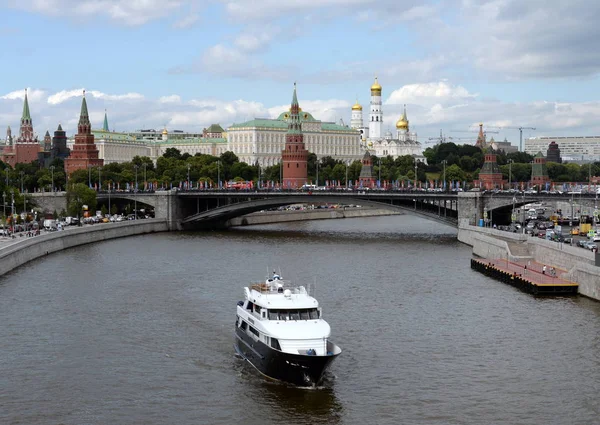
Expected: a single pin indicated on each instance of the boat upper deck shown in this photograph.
(278, 293)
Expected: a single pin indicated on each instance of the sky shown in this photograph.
(186, 64)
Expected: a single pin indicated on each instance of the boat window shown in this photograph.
(254, 331)
(273, 315)
(304, 315)
(294, 315)
(314, 313)
(249, 306)
(244, 325)
(257, 309)
(283, 315)
(275, 344)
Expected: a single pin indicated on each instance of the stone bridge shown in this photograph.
(193, 209)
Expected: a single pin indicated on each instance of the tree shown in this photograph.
(78, 195)
(173, 153)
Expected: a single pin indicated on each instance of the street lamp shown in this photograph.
(444, 162)
(90, 176)
(52, 174)
(188, 176)
(346, 175)
(145, 180)
(4, 218)
(317, 172)
(510, 162)
(22, 173)
(135, 193)
(219, 174)
(379, 162)
(99, 179)
(416, 171)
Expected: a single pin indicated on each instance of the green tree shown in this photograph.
(172, 153)
(78, 195)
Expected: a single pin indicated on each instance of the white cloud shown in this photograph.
(64, 95)
(32, 95)
(170, 99)
(128, 12)
(429, 93)
(324, 110)
(187, 21)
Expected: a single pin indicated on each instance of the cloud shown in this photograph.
(64, 95)
(430, 93)
(33, 95)
(324, 110)
(127, 12)
(170, 99)
(187, 21)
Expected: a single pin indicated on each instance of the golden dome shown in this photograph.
(376, 87)
(165, 131)
(402, 123)
(357, 106)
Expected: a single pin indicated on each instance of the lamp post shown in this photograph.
(52, 174)
(99, 179)
(416, 171)
(188, 176)
(135, 193)
(4, 217)
(510, 162)
(219, 174)
(145, 180)
(317, 172)
(346, 175)
(90, 176)
(281, 174)
(444, 162)
(22, 173)
(379, 162)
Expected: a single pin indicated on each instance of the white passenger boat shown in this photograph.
(280, 331)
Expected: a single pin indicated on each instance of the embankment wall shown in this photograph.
(24, 250)
(268, 217)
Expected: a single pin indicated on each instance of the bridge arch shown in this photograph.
(224, 213)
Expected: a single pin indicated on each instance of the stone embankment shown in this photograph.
(16, 252)
(519, 248)
(269, 217)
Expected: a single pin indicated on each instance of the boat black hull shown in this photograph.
(304, 371)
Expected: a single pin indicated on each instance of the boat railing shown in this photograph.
(277, 286)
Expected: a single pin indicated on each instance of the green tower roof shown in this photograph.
(105, 125)
(26, 114)
(84, 118)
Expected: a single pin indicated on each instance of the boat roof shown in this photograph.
(280, 294)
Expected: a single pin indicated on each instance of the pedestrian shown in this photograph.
(544, 269)
(525, 269)
(553, 271)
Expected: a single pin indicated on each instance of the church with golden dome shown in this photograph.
(373, 137)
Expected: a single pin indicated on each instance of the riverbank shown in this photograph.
(578, 264)
(269, 217)
(16, 252)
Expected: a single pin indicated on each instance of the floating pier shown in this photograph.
(528, 278)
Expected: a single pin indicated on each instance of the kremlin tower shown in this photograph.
(481, 144)
(366, 178)
(84, 153)
(25, 149)
(295, 155)
(376, 115)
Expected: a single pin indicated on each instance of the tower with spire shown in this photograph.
(105, 124)
(84, 153)
(9, 139)
(26, 148)
(481, 143)
(295, 155)
(376, 114)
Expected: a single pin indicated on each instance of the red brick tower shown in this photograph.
(26, 147)
(481, 144)
(295, 155)
(84, 153)
(366, 178)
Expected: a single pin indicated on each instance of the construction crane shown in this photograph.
(441, 139)
(520, 128)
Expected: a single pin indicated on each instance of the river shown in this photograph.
(140, 331)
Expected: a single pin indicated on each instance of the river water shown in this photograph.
(140, 331)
